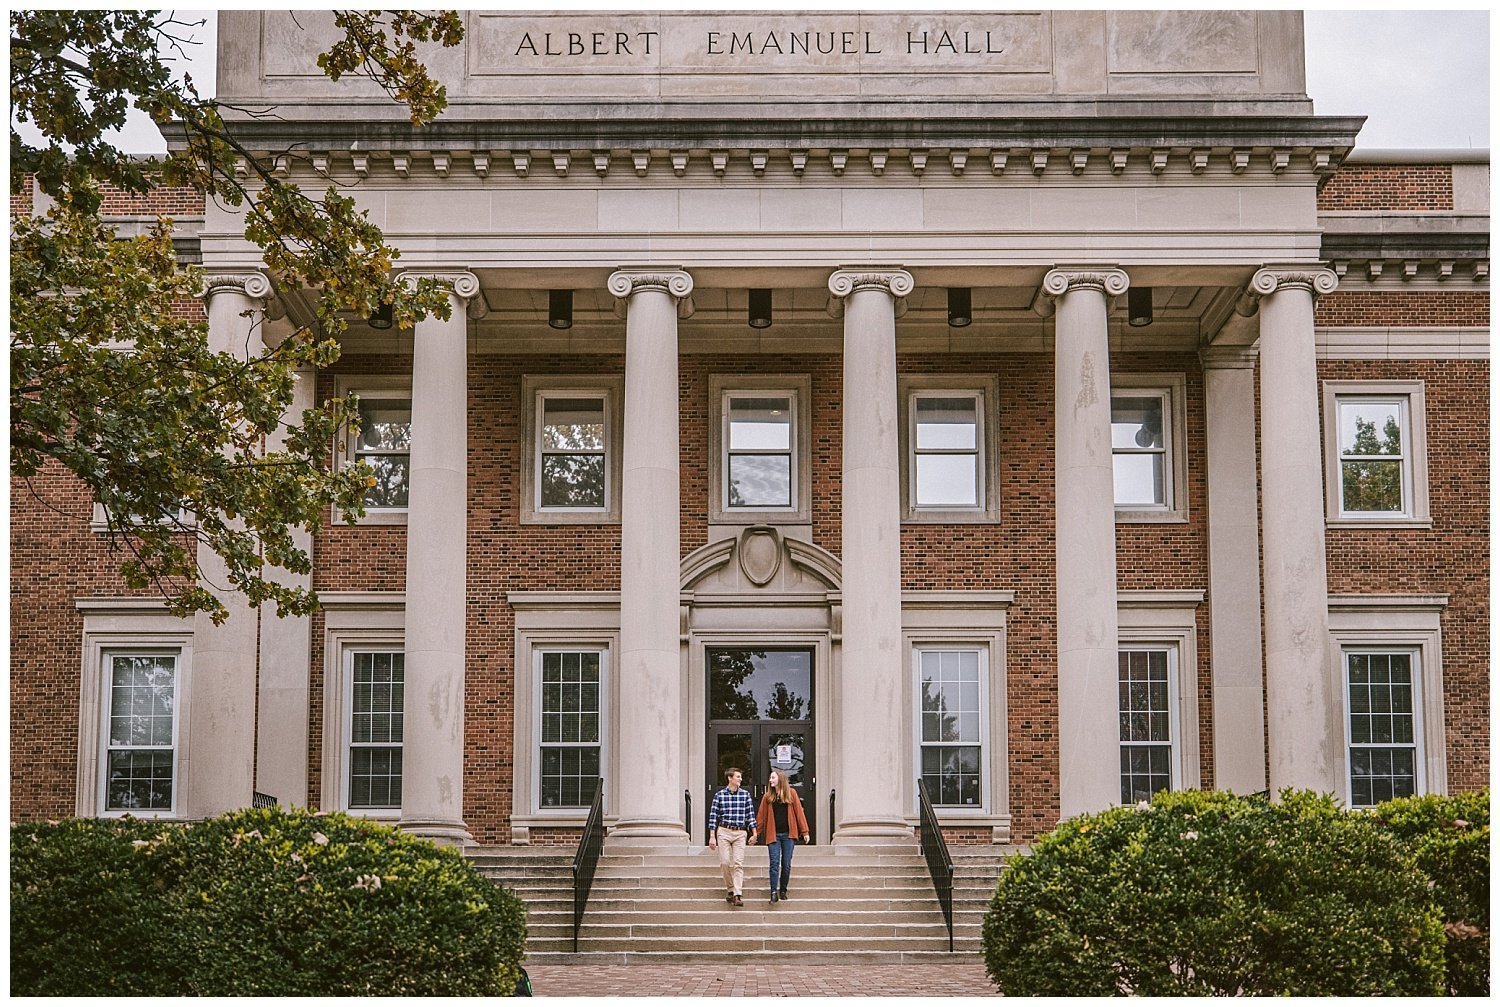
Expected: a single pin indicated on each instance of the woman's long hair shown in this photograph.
(782, 792)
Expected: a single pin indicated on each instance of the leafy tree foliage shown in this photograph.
(1372, 484)
(108, 380)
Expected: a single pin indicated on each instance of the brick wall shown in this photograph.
(1451, 557)
(20, 202)
(164, 201)
(1388, 187)
(1400, 307)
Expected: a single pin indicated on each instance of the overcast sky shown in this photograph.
(1422, 77)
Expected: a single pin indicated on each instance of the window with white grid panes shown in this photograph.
(947, 460)
(951, 730)
(1139, 437)
(384, 443)
(572, 449)
(1146, 742)
(571, 712)
(759, 463)
(377, 688)
(140, 757)
(1383, 726)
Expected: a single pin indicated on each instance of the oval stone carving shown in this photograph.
(760, 554)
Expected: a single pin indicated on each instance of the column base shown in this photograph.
(874, 832)
(443, 832)
(648, 832)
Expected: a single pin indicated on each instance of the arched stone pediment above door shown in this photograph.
(760, 563)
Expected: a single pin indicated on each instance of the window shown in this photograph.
(1381, 701)
(1375, 441)
(947, 464)
(1147, 441)
(951, 730)
(1146, 734)
(376, 694)
(758, 457)
(949, 446)
(761, 442)
(571, 449)
(571, 711)
(383, 442)
(139, 774)
(573, 426)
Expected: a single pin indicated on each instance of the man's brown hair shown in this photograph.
(731, 771)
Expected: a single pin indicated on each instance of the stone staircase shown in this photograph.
(666, 904)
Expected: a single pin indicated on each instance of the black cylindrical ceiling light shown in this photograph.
(960, 306)
(560, 309)
(1140, 306)
(383, 318)
(760, 308)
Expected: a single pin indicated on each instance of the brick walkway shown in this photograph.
(956, 980)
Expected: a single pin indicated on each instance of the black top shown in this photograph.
(779, 810)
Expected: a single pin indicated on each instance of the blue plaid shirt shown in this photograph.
(732, 809)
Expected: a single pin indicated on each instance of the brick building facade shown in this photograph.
(953, 484)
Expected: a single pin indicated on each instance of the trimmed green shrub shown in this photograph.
(1213, 894)
(1450, 838)
(260, 902)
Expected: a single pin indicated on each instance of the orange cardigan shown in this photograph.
(765, 819)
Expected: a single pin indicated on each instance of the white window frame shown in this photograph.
(1416, 745)
(1175, 725)
(371, 388)
(353, 621)
(559, 620)
(128, 625)
(1167, 620)
(985, 388)
(1412, 398)
(798, 389)
(535, 389)
(962, 620)
(1390, 623)
(537, 655)
(1172, 389)
(347, 708)
(105, 747)
(982, 652)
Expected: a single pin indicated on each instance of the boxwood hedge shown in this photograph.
(264, 902)
(1213, 894)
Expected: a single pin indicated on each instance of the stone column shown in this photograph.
(1234, 572)
(432, 787)
(648, 682)
(220, 766)
(873, 762)
(1303, 736)
(285, 653)
(1088, 622)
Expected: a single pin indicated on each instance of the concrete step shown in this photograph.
(751, 956)
(799, 902)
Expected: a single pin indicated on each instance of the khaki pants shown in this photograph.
(732, 858)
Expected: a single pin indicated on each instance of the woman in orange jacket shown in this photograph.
(780, 820)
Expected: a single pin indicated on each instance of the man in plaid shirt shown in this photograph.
(730, 817)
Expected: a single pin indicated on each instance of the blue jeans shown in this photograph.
(780, 851)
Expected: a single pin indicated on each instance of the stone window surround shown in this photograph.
(987, 387)
(962, 620)
(553, 620)
(1396, 622)
(353, 620)
(533, 386)
(377, 386)
(112, 625)
(1168, 619)
(1414, 471)
(1173, 388)
(799, 387)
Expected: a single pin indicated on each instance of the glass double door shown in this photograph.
(760, 719)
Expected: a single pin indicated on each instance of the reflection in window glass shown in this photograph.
(1145, 725)
(572, 445)
(1382, 728)
(951, 739)
(1139, 441)
(376, 727)
(571, 713)
(140, 757)
(946, 451)
(759, 451)
(384, 443)
(760, 684)
(1372, 456)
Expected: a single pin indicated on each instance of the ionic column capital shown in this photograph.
(892, 280)
(254, 285)
(1271, 279)
(676, 283)
(462, 286)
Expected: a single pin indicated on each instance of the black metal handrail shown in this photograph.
(687, 814)
(590, 845)
(935, 852)
(833, 803)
